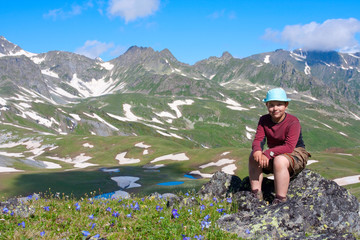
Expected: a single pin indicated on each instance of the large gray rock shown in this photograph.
(316, 209)
(220, 185)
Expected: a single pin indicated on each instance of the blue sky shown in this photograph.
(191, 29)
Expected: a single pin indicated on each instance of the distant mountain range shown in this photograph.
(38, 87)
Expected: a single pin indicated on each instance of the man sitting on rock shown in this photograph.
(286, 155)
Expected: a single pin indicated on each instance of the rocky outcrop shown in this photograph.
(316, 209)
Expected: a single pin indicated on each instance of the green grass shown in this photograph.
(135, 218)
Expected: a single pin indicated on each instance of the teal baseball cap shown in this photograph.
(276, 94)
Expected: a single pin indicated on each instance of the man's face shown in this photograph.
(277, 110)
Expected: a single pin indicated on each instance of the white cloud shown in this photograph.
(333, 34)
(74, 10)
(223, 13)
(130, 10)
(94, 48)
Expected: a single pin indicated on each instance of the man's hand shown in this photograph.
(261, 159)
(257, 156)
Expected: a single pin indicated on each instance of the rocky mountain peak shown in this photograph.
(226, 55)
(7, 47)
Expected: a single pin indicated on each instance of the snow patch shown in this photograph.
(267, 59)
(142, 145)
(176, 157)
(75, 116)
(107, 65)
(174, 105)
(347, 180)
(8, 169)
(88, 145)
(218, 163)
(50, 73)
(126, 181)
(123, 160)
(307, 69)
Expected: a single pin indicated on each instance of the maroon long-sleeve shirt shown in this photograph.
(281, 137)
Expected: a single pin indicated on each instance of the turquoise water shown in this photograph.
(105, 195)
(170, 183)
(189, 176)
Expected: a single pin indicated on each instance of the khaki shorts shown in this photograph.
(297, 159)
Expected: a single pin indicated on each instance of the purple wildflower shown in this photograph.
(159, 209)
(77, 206)
(108, 209)
(22, 224)
(202, 207)
(247, 231)
(91, 216)
(5, 210)
(200, 237)
(129, 215)
(207, 217)
(220, 210)
(96, 236)
(187, 194)
(229, 200)
(115, 214)
(136, 207)
(175, 213)
(85, 233)
(211, 204)
(93, 225)
(42, 233)
(47, 208)
(185, 238)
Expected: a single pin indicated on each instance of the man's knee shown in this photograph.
(281, 162)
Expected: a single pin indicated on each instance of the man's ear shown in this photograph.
(286, 104)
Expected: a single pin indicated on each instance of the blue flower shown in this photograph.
(247, 231)
(91, 216)
(47, 208)
(220, 210)
(211, 204)
(42, 233)
(115, 214)
(187, 194)
(175, 213)
(205, 224)
(202, 207)
(214, 199)
(185, 238)
(5, 210)
(129, 215)
(22, 224)
(29, 197)
(200, 237)
(136, 207)
(96, 236)
(85, 233)
(108, 209)
(159, 209)
(77, 206)
(229, 200)
(93, 225)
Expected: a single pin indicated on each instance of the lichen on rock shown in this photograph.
(316, 208)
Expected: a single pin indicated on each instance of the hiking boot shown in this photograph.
(258, 195)
(279, 200)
